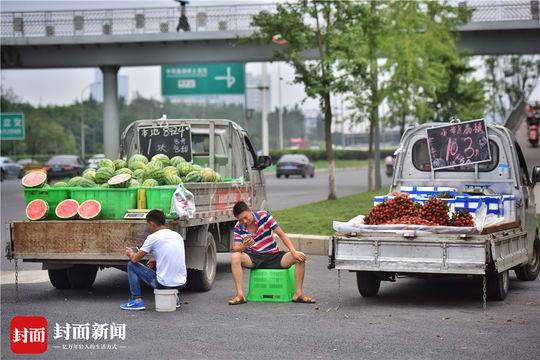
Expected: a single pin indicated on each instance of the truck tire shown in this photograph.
(202, 280)
(530, 271)
(82, 276)
(497, 286)
(59, 278)
(368, 283)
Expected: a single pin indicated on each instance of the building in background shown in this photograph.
(97, 88)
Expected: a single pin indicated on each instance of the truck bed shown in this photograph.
(428, 253)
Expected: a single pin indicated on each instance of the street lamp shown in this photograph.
(280, 113)
(82, 117)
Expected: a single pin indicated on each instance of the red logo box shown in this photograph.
(29, 334)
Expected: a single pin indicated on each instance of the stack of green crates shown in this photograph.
(53, 196)
(271, 285)
(114, 201)
(160, 197)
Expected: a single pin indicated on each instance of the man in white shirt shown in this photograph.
(168, 257)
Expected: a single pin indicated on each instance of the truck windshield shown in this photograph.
(420, 158)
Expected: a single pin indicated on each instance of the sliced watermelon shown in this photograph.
(89, 209)
(67, 209)
(37, 209)
(120, 180)
(34, 179)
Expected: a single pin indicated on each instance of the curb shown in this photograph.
(308, 244)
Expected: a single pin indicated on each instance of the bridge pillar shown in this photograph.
(111, 123)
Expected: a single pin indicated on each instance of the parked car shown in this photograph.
(9, 167)
(61, 166)
(94, 161)
(294, 164)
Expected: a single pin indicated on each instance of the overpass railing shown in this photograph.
(201, 18)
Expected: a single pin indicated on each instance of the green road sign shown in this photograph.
(11, 126)
(202, 79)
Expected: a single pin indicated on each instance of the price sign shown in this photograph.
(173, 140)
(458, 144)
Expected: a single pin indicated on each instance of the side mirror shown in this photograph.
(535, 177)
(263, 162)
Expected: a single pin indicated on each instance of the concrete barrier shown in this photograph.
(308, 244)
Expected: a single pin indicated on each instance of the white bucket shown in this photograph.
(165, 299)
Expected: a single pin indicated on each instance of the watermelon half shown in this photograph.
(37, 209)
(120, 180)
(34, 179)
(89, 209)
(67, 209)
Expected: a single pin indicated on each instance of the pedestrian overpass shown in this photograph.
(110, 38)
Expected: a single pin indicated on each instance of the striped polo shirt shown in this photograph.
(264, 238)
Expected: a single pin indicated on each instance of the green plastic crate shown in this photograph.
(271, 285)
(114, 201)
(53, 196)
(160, 197)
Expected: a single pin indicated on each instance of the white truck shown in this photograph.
(491, 254)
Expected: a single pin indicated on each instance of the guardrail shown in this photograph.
(201, 18)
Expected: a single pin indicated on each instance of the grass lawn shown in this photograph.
(323, 164)
(316, 218)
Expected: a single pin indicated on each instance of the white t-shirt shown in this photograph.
(167, 247)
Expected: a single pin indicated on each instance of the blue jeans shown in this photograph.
(138, 271)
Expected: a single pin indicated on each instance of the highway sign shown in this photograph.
(12, 126)
(202, 79)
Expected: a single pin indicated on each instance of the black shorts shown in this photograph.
(266, 261)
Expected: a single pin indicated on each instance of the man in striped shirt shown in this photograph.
(255, 247)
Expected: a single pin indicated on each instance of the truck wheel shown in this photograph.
(368, 283)
(202, 280)
(82, 276)
(59, 278)
(530, 271)
(497, 286)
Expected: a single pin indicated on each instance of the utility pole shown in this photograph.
(83, 150)
(280, 112)
(264, 110)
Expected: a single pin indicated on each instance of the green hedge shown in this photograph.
(319, 154)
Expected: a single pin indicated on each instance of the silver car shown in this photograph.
(9, 167)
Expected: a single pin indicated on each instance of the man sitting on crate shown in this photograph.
(167, 248)
(255, 248)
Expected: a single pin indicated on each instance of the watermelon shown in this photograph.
(139, 158)
(207, 175)
(104, 174)
(164, 159)
(170, 170)
(155, 163)
(196, 167)
(90, 175)
(104, 185)
(217, 177)
(119, 164)
(86, 183)
(45, 186)
(150, 183)
(120, 181)
(184, 168)
(67, 209)
(34, 179)
(37, 209)
(75, 181)
(134, 183)
(194, 176)
(137, 165)
(138, 174)
(60, 184)
(152, 172)
(88, 170)
(177, 160)
(172, 180)
(123, 171)
(89, 209)
(106, 163)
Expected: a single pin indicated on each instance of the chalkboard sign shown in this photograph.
(172, 140)
(458, 144)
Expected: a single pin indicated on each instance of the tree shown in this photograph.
(308, 25)
(509, 79)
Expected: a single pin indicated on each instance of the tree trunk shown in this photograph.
(329, 149)
(374, 108)
(370, 159)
